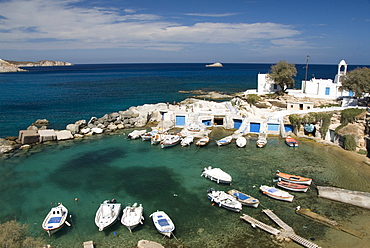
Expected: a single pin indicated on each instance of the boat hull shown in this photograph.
(244, 199)
(276, 193)
(293, 186)
(107, 215)
(132, 216)
(293, 178)
(55, 219)
(224, 200)
(163, 223)
(241, 142)
(217, 175)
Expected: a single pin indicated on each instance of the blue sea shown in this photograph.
(110, 166)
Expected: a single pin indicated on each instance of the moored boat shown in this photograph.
(163, 223)
(136, 134)
(107, 214)
(224, 141)
(291, 142)
(132, 216)
(293, 186)
(241, 141)
(276, 193)
(55, 219)
(224, 200)
(187, 140)
(261, 142)
(216, 174)
(170, 140)
(244, 199)
(293, 178)
(202, 141)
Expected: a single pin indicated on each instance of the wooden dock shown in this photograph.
(326, 221)
(287, 231)
(256, 223)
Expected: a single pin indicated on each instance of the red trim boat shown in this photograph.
(291, 142)
(293, 186)
(276, 193)
(293, 178)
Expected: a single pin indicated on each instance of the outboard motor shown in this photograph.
(113, 201)
(210, 190)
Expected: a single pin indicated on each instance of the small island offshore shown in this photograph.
(14, 66)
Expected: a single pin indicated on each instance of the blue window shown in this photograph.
(180, 120)
(273, 127)
(237, 123)
(255, 127)
(351, 93)
(327, 91)
(208, 123)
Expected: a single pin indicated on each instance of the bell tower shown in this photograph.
(342, 70)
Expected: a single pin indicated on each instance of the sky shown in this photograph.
(173, 31)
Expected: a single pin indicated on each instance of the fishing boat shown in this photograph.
(224, 141)
(148, 136)
(216, 174)
(262, 140)
(107, 214)
(293, 178)
(241, 141)
(244, 199)
(187, 140)
(291, 142)
(202, 141)
(132, 216)
(55, 219)
(163, 223)
(157, 138)
(136, 134)
(170, 140)
(293, 186)
(276, 193)
(224, 200)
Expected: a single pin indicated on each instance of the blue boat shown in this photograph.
(244, 199)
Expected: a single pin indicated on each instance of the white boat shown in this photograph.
(148, 136)
(132, 216)
(241, 141)
(163, 223)
(224, 200)
(170, 140)
(136, 134)
(276, 193)
(217, 64)
(202, 141)
(262, 140)
(224, 141)
(107, 214)
(217, 175)
(187, 141)
(244, 199)
(157, 138)
(55, 219)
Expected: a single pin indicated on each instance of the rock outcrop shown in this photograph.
(5, 66)
(13, 66)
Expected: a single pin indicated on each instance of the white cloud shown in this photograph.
(211, 15)
(58, 24)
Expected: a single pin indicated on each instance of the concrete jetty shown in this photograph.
(286, 232)
(357, 198)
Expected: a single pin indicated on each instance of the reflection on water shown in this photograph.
(169, 179)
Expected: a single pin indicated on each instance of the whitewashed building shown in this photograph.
(315, 87)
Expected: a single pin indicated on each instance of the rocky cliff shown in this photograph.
(5, 66)
(13, 66)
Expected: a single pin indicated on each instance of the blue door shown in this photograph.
(237, 123)
(288, 128)
(180, 120)
(254, 127)
(350, 93)
(273, 127)
(327, 91)
(208, 123)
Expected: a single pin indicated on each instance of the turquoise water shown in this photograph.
(111, 166)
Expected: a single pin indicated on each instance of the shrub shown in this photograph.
(349, 142)
(349, 115)
(15, 235)
(253, 98)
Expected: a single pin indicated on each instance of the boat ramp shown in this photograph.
(286, 232)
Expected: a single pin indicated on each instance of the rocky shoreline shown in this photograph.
(14, 66)
(144, 116)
